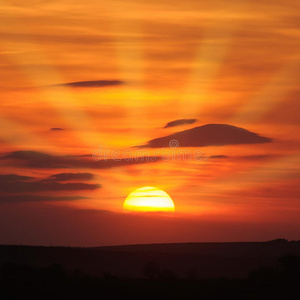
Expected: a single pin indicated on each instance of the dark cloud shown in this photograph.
(209, 135)
(16, 188)
(36, 198)
(91, 83)
(56, 129)
(180, 122)
(34, 159)
(42, 186)
(257, 157)
(219, 156)
(12, 183)
(13, 177)
(71, 176)
(244, 157)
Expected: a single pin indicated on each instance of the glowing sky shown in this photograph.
(92, 93)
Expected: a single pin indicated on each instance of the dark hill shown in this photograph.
(207, 260)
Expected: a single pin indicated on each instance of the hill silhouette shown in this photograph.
(211, 260)
(248, 270)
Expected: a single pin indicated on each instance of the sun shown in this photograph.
(149, 198)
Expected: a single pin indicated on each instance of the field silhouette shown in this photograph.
(246, 270)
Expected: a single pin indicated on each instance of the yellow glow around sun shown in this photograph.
(149, 198)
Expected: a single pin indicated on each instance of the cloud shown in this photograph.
(219, 156)
(56, 129)
(42, 186)
(71, 176)
(12, 183)
(90, 84)
(180, 122)
(34, 159)
(14, 177)
(209, 135)
(36, 198)
(244, 157)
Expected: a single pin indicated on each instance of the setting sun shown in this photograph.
(149, 199)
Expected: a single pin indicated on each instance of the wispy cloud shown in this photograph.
(17, 188)
(42, 186)
(180, 122)
(56, 129)
(244, 157)
(90, 83)
(34, 159)
(13, 178)
(71, 176)
(35, 198)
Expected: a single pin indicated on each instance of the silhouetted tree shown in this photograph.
(192, 274)
(290, 263)
(151, 270)
(167, 274)
(80, 274)
(108, 275)
(8, 270)
(264, 274)
(54, 272)
(17, 271)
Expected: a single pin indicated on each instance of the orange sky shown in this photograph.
(109, 75)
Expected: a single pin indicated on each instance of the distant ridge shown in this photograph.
(212, 260)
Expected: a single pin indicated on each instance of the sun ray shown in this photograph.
(128, 47)
(275, 91)
(270, 171)
(207, 62)
(15, 135)
(60, 97)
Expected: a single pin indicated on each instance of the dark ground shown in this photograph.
(162, 271)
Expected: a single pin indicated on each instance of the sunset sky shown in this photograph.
(93, 93)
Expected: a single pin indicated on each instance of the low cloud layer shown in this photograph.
(42, 186)
(209, 135)
(90, 83)
(244, 157)
(15, 187)
(34, 159)
(56, 129)
(180, 122)
(71, 176)
(35, 198)
(13, 178)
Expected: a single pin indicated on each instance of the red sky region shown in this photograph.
(79, 79)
